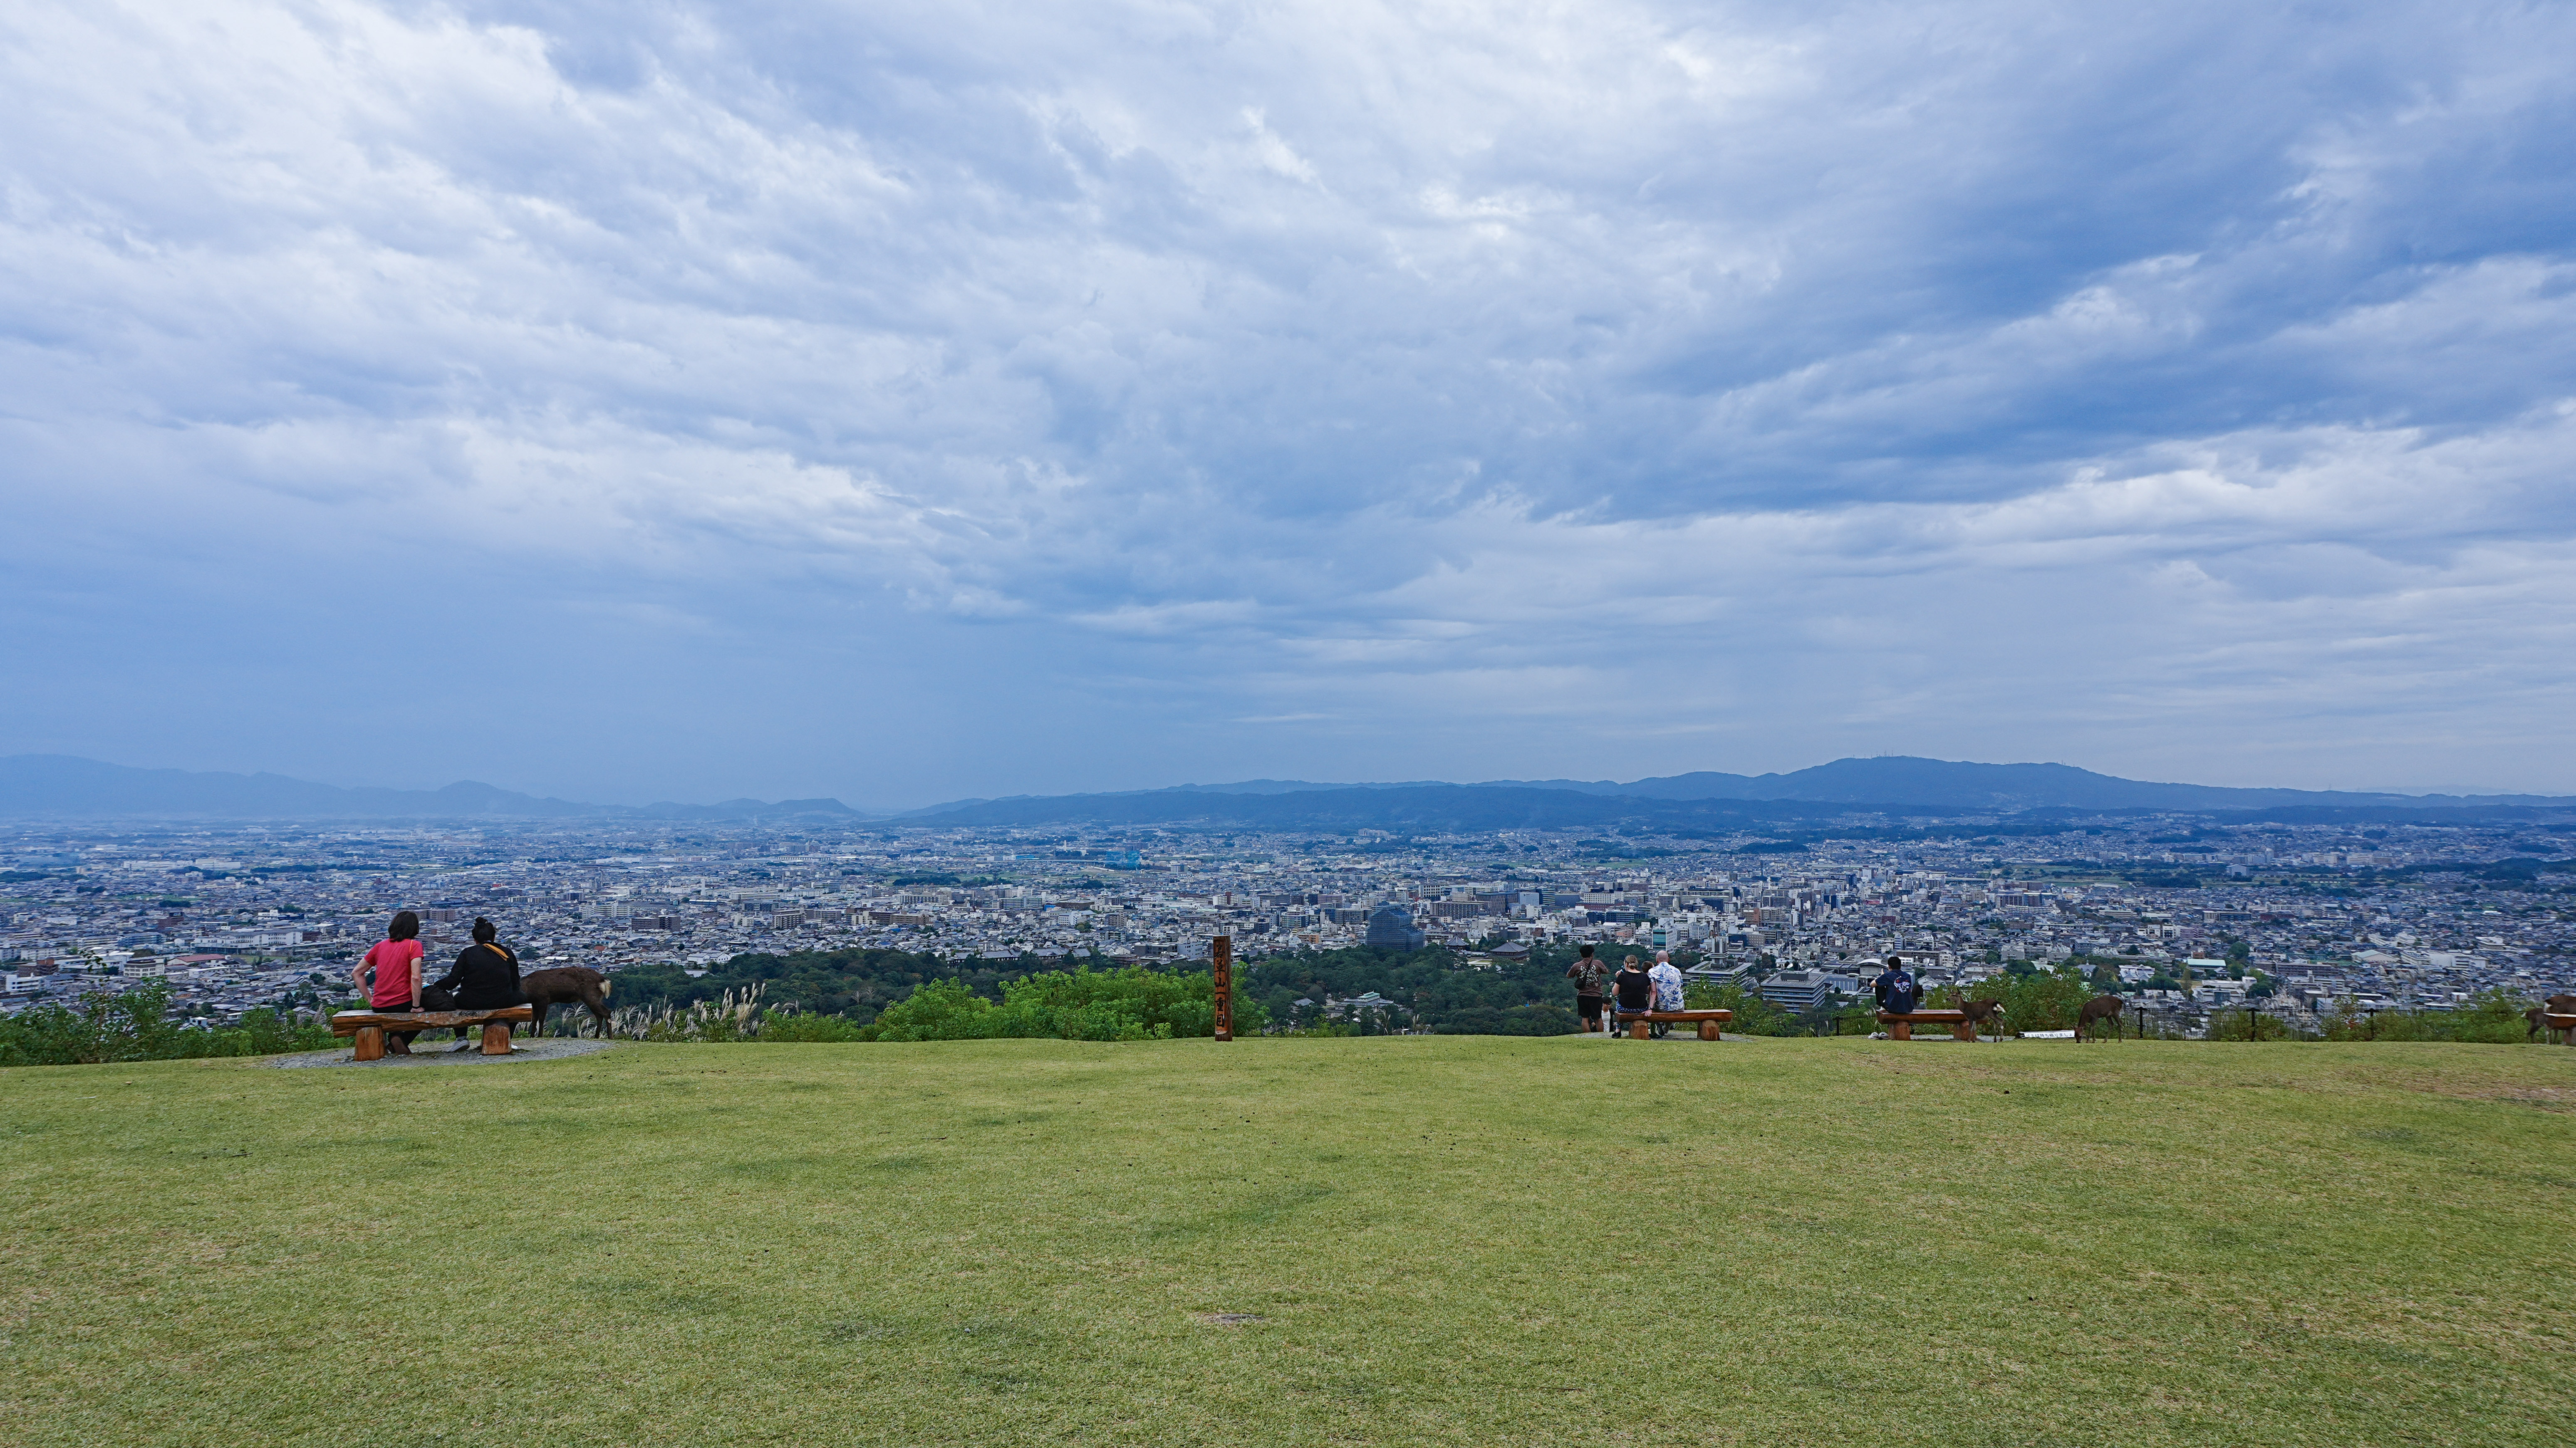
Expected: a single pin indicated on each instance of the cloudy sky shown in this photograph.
(912, 400)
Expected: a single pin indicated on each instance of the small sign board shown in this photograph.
(1221, 964)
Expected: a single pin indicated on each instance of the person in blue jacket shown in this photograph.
(1897, 990)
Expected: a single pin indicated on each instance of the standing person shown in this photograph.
(1667, 979)
(1588, 974)
(389, 976)
(484, 977)
(1635, 989)
(1897, 991)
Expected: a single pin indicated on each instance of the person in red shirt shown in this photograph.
(390, 976)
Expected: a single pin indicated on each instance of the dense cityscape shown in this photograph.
(2191, 917)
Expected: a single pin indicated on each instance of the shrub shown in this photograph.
(1754, 1016)
(2493, 1018)
(2034, 999)
(135, 1026)
(1130, 1003)
(1514, 1021)
(801, 1027)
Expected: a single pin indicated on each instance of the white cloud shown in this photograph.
(2181, 391)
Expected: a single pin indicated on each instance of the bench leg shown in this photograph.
(1708, 1030)
(496, 1038)
(1964, 1030)
(1638, 1031)
(371, 1044)
(1900, 1030)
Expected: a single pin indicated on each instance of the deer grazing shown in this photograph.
(2101, 1008)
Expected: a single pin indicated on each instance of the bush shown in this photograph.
(2034, 1000)
(1130, 1003)
(2251, 1025)
(135, 1026)
(1754, 1016)
(1515, 1021)
(804, 1027)
(2493, 1018)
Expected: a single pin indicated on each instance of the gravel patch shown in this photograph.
(425, 1053)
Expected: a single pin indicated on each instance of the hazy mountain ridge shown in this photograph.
(1887, 780)
(57, 785)
(67, 786)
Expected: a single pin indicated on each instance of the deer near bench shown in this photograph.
(1982, 1014)
(566, 985)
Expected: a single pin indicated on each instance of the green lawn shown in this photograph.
(1445, 1239)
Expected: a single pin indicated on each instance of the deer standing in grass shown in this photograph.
(2101, 1008)
(2557, 1005)
(565, 985)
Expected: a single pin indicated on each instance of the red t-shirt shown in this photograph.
(392, 960)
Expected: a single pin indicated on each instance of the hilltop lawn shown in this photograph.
(1437, 1240)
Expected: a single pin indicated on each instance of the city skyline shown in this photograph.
(931, 403)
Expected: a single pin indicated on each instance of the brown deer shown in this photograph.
(1982, 1014)
(2557, 1005)
(564, 985)
(2101, 1008)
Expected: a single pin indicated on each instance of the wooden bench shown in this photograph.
(370, 1027)
(1900, 1026)
(2563, 1024)
(1708, 1021)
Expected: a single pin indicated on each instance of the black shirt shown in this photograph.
(483, 977)
(1636, 990)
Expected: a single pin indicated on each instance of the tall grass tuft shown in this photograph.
(730, 1017)
(736, 1016)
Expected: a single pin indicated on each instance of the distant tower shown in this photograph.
(1391, 926)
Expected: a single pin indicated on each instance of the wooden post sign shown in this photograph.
(1221, 961)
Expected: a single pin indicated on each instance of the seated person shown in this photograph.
(1668, 988)
(1896, 989)
(484, 977)
(389, 976)
(1636, 989)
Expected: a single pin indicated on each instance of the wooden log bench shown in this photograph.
(2563, 1024)
(1900, 1025)
(370, 1026)
(1708, 1021)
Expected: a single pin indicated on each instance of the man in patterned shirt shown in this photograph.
(1588, 975)
(1667, 978)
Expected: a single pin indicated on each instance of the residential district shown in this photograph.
(2193, 917)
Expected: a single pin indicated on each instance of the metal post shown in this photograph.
(1221, 961)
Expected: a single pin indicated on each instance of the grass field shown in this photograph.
(1443, 1239)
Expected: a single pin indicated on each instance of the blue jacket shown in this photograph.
(1897, 992)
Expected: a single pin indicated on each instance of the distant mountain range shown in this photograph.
(1888, 782)
(62, 786)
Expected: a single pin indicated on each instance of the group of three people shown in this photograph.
(484, 977)
(1660, 989)
(1635, 987)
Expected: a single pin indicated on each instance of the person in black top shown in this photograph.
(1635, 988)
(485, 976)
(1588, 973)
